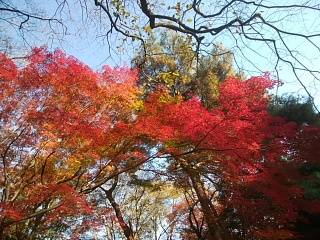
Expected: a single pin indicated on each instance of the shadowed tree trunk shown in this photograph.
(126, 229)
(215, 231)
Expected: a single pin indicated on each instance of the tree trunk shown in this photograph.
(210, 215)
(127, 231)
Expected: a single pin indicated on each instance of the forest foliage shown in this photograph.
(159, 151)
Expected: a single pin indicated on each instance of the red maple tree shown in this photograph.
(66, 130)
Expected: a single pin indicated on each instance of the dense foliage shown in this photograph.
(88, 154)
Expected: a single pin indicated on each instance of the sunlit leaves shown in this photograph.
(58, 130)
(67, 130)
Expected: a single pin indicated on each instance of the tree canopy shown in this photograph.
(191, 142)
(87, 154)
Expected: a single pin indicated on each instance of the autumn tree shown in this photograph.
(301, 111)
(138, 208)
(243, 165)
(171, 62)
(59, 138)
(71, 138)
(290, 172)
(194, 155)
